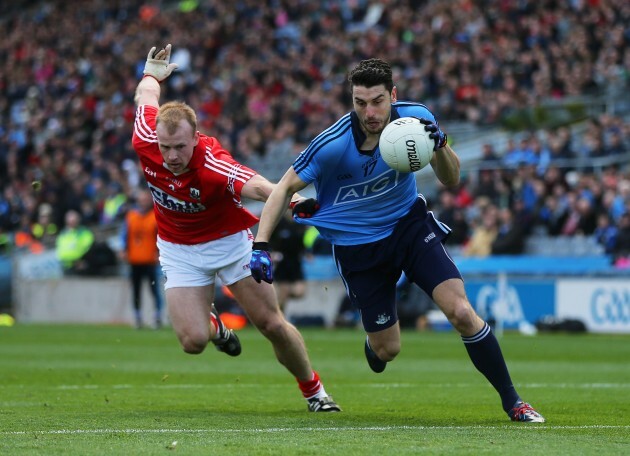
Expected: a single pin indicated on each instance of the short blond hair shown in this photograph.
(172, 113)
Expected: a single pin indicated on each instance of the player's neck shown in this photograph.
(371, 141)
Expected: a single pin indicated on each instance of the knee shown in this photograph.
(463, 317)
(194, 344)
(386, 351)
(272, 326)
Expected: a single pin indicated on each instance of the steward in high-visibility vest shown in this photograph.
(74, 241)
(44, 229)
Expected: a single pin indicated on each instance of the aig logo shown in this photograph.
(372, 188)
(610, 306)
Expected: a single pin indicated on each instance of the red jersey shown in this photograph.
(201, 204)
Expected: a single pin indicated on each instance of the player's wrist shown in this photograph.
(443, 141)
(151, 76)
(261, 246)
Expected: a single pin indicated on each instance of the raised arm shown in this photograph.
(445, 162)
(156, 69)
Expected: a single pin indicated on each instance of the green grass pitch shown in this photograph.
(101, 390)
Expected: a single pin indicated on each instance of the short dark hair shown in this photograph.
(370, 73)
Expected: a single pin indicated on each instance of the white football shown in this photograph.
(405, 146)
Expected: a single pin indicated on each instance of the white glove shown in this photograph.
(157, 65)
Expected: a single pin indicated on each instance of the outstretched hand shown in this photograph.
(157, 65)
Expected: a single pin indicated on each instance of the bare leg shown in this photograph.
(258, 300)
(189, 312)
(450, 297)
(386, 343)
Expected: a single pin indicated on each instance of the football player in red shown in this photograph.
(204, 231)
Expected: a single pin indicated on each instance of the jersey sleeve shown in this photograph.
(416, 110)
(144, 126)
(221, 162)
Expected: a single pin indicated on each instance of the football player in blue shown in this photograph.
(380, 227)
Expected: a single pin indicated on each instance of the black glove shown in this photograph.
(305, 208)
(436, 135)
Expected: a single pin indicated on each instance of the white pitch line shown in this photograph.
(309, 429)
(363, 385)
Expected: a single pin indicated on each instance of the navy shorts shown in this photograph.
(370, 271)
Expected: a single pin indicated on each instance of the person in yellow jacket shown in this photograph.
(73, 243)
(139, 240)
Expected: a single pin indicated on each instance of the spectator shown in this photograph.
(45, 229)
(551, 216)
(73, 244)
(24, 240)
(521, 155)
(113, 204)
(487, 185)
(454, 217)
(606, 232)
(621, 247)
(510, 238)
(581, 218)
(484, 234)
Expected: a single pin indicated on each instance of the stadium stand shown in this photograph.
(545, 84)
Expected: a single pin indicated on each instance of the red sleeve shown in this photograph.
(221, 162)
(144, 126)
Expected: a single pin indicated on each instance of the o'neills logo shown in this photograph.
(174, 204)
(412, 155)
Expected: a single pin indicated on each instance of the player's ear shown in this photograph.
(196, 140)
(394, 94)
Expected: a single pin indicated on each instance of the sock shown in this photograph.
(216, 324)
(312, 388)
(485, 353)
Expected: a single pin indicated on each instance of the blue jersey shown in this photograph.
(361, 198)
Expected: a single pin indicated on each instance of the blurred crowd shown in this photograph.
(266, 76)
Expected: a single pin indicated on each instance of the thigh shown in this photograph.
(388, 338)
(189, 309)
(198, 265)
(181, 267)
(429, 268)
(258, 300)
(236, 270)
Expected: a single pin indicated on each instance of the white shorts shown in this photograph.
(198, 265)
